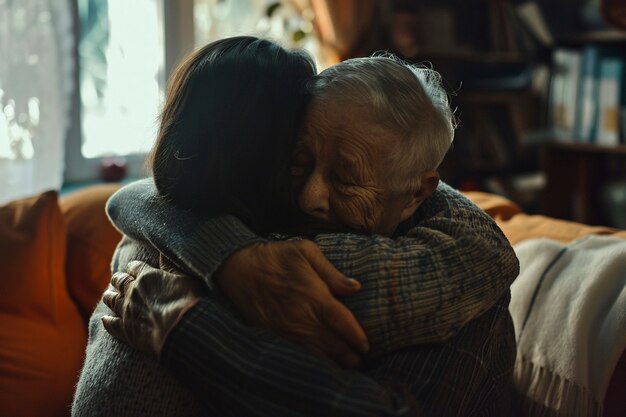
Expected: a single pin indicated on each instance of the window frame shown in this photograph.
(177, 18)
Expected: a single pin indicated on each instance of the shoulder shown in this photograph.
(142, 190)
(448, 204)
(449, 200)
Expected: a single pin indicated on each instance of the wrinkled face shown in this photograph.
(339, 171)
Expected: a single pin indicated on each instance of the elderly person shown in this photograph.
(434, 275)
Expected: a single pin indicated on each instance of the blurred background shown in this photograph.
(538, 86)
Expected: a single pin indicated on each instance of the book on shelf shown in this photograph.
(587, 97)
(493, 140)
(530, 14)
(609, 97)
(519, 28)
(587, 103)
(564, 91)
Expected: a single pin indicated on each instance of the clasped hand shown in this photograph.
(148, 302)
(288, 287)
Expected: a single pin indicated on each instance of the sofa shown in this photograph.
(55, 254)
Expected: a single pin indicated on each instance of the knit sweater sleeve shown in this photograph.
(452, 265)
(195, 244)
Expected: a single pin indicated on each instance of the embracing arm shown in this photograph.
(287, 286)
(140, 213)
(236, 369)
(452, 265)
(267, 376)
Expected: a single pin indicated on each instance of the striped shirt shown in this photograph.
(268, 376)
(433, 304)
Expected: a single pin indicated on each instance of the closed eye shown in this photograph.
(301, 163)
(342, 181)
(299, 170)
(345, 184)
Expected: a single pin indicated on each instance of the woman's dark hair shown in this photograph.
(228, 128)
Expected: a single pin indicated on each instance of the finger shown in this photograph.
(121, 280)
(337, 283)
(342, 322)
(111, 299)
(167, 265)
(135, 268)
(329, 346)
(113, 325)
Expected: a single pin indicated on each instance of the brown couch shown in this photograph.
(55, 256)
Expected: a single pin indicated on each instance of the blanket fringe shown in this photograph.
(542, 393)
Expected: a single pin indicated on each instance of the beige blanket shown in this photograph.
(569, 311)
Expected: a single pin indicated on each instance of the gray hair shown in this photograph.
(407, 100)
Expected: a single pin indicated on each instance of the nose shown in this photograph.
(314, 197)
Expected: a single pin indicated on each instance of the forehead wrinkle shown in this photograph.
(359, 160)
(352, 140)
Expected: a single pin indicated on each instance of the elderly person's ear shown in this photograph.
(428, 183)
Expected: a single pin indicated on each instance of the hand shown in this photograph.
(289, 287)
(148, 303)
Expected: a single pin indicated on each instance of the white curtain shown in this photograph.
(36, 83)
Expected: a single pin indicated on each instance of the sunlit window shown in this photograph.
(121, 61)
(288, 21)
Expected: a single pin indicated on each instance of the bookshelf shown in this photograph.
(576, 176)
(585, 162)
(598, 37)
(500, 59)
(490, 61)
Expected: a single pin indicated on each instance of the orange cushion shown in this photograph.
(522, 226)
(518, 226)
(90, 245)
(496, 206)
(42, 336)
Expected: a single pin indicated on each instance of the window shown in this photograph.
(288, 21)
(126, 50)
(121, 62)
(36, 65)
(87, 77)
(121, 78)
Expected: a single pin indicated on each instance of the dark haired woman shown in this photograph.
(228, 128)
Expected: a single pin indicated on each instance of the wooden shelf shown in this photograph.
(468, 56)
(576, 174)
(587, 147)
(493, 96)
(603, 37)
